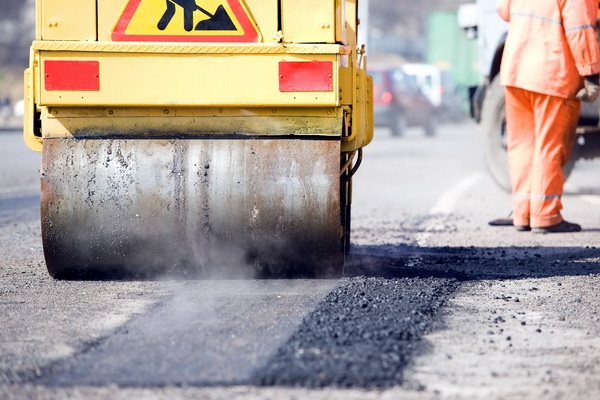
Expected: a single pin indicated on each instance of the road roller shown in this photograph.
(197, 138)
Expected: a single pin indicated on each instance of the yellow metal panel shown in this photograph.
(351, 16)
(108, 13)
(32, 141)
(265, 15)
(68, 20)
(195, 49)
(362, 113)
(309, 21)
(346, 86)
(340, 21)
(189, 80)
(189, 121)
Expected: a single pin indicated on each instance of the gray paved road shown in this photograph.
(435, 303)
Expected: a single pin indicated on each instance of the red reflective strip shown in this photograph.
(71, 75)
(305, 76)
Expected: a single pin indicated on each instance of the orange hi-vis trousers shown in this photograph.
(540, 138)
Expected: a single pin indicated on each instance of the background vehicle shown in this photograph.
(439, 86)
(18, 108)
(399, 102)
(481, 21)
(199, 138)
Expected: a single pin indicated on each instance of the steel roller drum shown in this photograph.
(224, 208)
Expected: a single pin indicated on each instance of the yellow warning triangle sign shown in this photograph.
(185, 21)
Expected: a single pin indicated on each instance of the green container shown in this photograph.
(450, 50)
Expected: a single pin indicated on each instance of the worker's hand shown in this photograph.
(591, 88)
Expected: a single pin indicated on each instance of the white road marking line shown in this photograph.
(447, 201)
(445, 205)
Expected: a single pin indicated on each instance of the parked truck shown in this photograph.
(481, 22)
(199, 137)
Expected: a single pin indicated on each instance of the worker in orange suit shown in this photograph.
(550, 63)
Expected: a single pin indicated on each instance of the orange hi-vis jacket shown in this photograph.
(551, 44)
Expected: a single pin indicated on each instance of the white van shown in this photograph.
(429, 79)
(439, 86)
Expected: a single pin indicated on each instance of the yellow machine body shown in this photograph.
(176, 132)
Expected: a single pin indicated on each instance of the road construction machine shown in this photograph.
(206, 138)
(481, 22)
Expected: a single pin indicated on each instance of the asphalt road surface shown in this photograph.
(434, 304)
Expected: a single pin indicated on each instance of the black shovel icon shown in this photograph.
(219, 21)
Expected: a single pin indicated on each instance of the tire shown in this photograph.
(493, 125)
(399, 124)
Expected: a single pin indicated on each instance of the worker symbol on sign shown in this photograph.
(219, 21)
(185, 21)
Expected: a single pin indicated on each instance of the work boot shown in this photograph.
(562, 227)
(523, 228)
(503, 221)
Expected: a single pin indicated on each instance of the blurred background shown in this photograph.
(398, 32)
